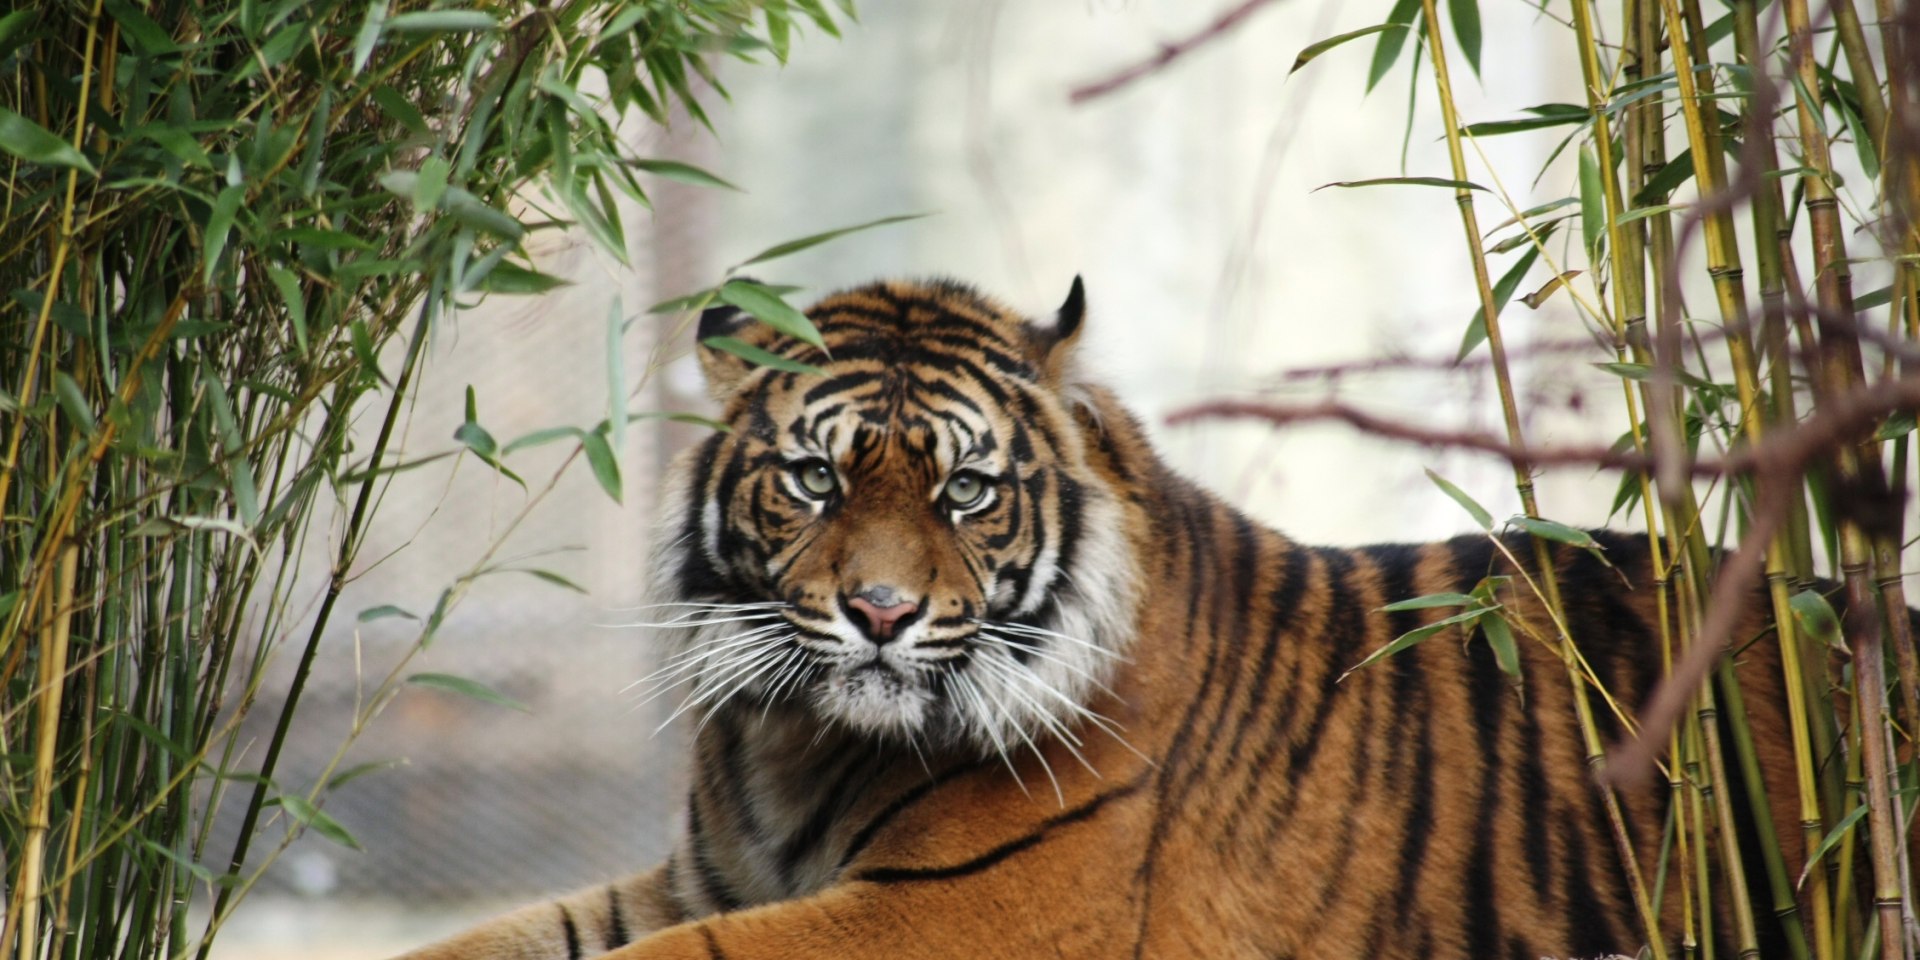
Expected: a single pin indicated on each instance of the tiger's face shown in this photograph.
(909, 544)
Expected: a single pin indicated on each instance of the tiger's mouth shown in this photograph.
(876, 696)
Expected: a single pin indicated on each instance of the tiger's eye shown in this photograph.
(816, 477)
(965, 489)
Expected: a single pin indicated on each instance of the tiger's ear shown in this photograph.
(723, 370)
(1053, 341)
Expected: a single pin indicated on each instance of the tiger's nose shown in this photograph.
(883, 611)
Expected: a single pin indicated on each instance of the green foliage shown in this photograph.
(232, 225)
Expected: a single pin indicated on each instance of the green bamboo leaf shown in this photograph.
(146, 36)
(1314, 50)
(317, 820)
(198, 870)
(369, 36)
(1502, 293)
(1431, 600)
(1832, 839)
(1557, 532)
(540, 438)
(760, 358)
(33, 143)
(477, 439)
(1413, 637)
(616, 376)
(681, 172)
(219, 224)
(1465, 15)
(606, 468)
(1641, 213)
(440, 21)
(13, 25)
(1896, 426)
(383, 612)
(767, 306)
(472, 689)
(553, 578)
(1499, 636)
(1545, 115)
(1472, 506)
(1874, 298)
(779, 250)
(289, 287)
(698, 300)
(1542, 230)
(1593, 204)
(1816, 618)
(359, 770)
(513, 279)
(1403, 181)
(73, 402)
(1387, 50)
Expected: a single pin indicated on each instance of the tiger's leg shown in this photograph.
(584, 924)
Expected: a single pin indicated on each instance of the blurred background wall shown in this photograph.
(1186, 200)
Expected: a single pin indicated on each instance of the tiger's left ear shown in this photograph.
(1053, 342)
(724, 371)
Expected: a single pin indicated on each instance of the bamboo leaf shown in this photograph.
(606, 468)
(440, 21)
(1465, 15)
(1557, 532)
(318, 820)
(1538, 297)
(369, 36)
(1502, 293)
(1832, 839)
(758, 357)
(541, 438)
(33, 143)
(616, 377)
(1431, 600)
(219, 222)
(553, 578)
(383, 612)
(1499, 636)
(1405, 182)
(795, 246)
(768, 308)
(1816, 618)
(1472, 506)
(1387, 50)
(73, 402)
(513, 279)
(1414, 637)
(472, 689)
(359, 770)
(681, 172)
(1593, 204)
(1313, 50)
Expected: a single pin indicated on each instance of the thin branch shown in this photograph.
(1788, 450)
(1169, 52)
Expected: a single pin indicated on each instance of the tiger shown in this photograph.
(975, 673)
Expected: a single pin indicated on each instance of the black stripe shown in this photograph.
(711, 882)
(1229, 605)
(832, 804)
(1282, 606)
(617, 933)
(572, 933)
(1003, 851)
(899, 806)
(713, 943)
(1588, 915)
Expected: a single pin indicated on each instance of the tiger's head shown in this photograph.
(909, 543)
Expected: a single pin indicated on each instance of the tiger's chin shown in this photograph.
(877, 699)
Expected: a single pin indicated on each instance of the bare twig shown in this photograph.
(1169, 52)
(1784, 450)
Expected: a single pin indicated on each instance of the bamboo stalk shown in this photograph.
(25, 928)
(1523, 480)
(1840, 369)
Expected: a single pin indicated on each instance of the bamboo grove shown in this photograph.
(1739, 163)
(230, 229)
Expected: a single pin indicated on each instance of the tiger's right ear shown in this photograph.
(1053, 342)
(723, 370)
